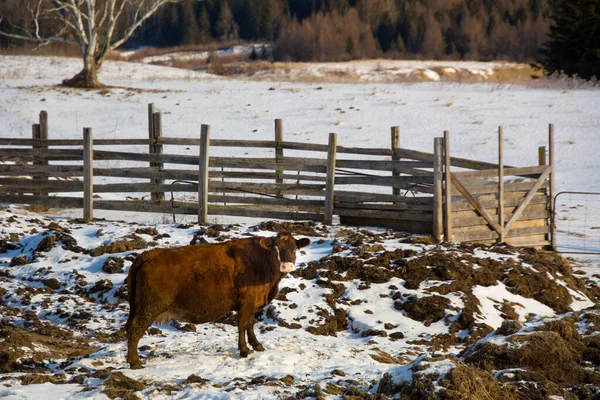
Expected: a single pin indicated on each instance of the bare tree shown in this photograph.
(96, 26)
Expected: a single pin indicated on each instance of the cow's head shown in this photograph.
(284, 245)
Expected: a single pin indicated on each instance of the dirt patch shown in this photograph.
(468, 383)
(133, 242)
(306, 228)
(113, 265)
(333, 323)
(427, 309)
(147, 231)
(545, 353)
(119, 385)
(38, 379)
(19, 260)
(25, 350)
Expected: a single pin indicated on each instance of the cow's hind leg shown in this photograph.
(252, 337)
(136, 328)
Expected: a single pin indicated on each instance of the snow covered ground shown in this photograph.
(361, 114)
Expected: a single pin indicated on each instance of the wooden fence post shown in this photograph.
(157, 149)
(278, 152)
(438, 201)
(542, 155)
(552, 188)
(35, 134)
(88, 175)
(501, 238)
(448, 187)
(395, 145)
(330, 183)
(43, 136)
(203, 175)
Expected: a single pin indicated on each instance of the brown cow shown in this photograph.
(202, 283)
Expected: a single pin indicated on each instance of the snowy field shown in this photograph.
(205, 364)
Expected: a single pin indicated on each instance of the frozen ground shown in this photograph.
(235, 108)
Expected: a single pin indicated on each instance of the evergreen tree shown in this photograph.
(191, 31)
(227, 29)
(574, 42)
(204, 25)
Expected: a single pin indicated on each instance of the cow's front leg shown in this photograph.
(252, 337)
(244, 320)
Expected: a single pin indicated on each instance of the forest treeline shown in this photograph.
(562, 35)
(328, 30)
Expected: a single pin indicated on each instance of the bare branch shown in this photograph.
(139, 20)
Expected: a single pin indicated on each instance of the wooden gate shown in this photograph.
(510, 205)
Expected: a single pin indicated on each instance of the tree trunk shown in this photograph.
(87, 77)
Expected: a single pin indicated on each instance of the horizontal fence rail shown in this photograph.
(392, 187)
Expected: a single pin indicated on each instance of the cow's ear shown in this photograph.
(267, 243)
(300, 243)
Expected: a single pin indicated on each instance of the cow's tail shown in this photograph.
(131, 290)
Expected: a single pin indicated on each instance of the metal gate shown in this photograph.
(577, 221)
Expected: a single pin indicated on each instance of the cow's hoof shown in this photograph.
(136, 365)
(258, 347)
(244, 353)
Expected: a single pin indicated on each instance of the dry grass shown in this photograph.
(51, 50)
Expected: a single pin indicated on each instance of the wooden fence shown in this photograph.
(397, 188)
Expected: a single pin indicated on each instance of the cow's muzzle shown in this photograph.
(287, 267)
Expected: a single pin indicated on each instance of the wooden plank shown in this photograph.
(242, 143)
(146, 206)
(192, 175)
(489, 201)
(438, 206)
(469, 234)
(382, 165)
(41, 170)
(352, 196)
(475, 204)
(88, 176)
(153, 158)
(395, 138)
(529, 241)
(501, 184)
(474, 221)
(385, 206)
(397, 215)
(552, 187)
(364, 151)
(493, 173)
(330, 183)
(250, 212)
(49, 201)
(304, 146)
(271, 207)
(492, 187)
(72, 142)
(527, 198)
(383, 180)
(278, 151)
(265, 201)
(447, 188)
(397, 225)
(508, 210)
(203, 174)
(50, 187)
(454, 161)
